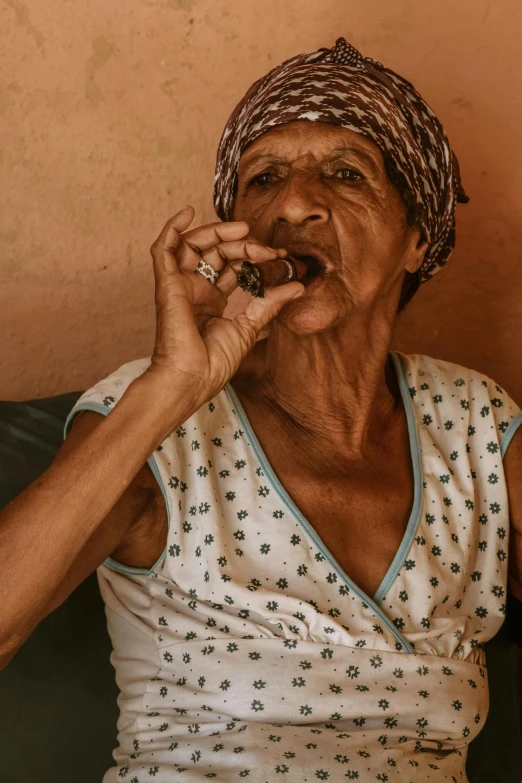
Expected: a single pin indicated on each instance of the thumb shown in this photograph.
(261, 310)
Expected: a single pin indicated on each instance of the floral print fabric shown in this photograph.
(246, 651)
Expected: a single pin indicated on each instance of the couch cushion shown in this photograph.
(58, 694)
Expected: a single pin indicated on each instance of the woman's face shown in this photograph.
(320, 190)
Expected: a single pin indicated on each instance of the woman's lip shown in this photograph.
(310, 281)
(314, 265)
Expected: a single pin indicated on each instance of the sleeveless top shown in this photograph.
(247, 652)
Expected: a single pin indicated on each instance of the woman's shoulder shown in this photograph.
(454, 392)
(420, 369)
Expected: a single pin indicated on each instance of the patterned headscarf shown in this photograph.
(339, 86)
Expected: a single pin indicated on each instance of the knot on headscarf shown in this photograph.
(339, 86)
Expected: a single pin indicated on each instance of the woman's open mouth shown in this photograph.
(314, 269)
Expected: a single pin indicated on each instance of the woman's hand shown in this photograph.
(196, 349)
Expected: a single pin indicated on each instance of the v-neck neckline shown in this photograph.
(413, 522)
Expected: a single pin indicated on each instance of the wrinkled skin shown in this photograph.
(305, 191)
(324, 189)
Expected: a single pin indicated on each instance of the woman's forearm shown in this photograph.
(45, 527)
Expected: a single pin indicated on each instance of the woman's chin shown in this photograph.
(308, 314)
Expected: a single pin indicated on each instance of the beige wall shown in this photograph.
(110, 115)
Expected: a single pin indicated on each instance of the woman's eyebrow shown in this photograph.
(264, 157)
(338, 151)
(366, 157)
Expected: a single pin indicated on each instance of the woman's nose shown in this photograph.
(301, 201)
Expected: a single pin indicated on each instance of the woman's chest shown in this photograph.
(360, 523)
(356, 509)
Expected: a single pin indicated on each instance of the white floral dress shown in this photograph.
(247, 652)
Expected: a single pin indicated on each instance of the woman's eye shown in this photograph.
(348, 175)
(261, 179)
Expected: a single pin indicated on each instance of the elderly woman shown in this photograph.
(300, 580)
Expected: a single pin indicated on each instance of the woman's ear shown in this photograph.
(416, 250)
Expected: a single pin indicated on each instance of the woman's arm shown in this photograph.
(77, 512)
(45, 528)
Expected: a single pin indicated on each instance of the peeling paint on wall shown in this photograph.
(22, 19)
(181, 5)
(102, 50)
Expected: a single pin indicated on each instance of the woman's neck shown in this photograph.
(330, 390)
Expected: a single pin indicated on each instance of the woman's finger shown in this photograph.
(249, 249)
(219, 256)
(175, 325)
(227, 281)
(202, 238)
(162, 250)
(244, 249)
(228, 341)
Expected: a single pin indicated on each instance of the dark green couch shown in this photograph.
(58, 695)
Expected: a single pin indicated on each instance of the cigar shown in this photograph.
(254, 278)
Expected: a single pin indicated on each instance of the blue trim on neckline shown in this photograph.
(114, 565)
(513, 426)
(293, 509)
(413, 522)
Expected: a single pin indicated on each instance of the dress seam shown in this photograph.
(418, 501)
(509, 433)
